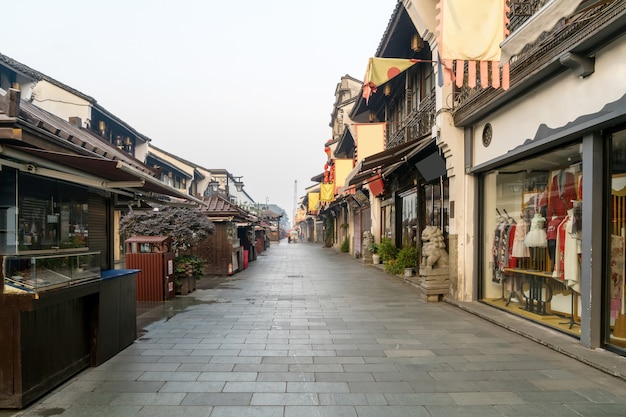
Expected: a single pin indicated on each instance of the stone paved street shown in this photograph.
(306, 331)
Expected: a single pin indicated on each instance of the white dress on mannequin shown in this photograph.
(536, 236)
(571, 263)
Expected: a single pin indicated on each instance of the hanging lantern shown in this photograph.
(416, 43)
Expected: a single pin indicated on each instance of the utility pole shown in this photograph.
(295, 200)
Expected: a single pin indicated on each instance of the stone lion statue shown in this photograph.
(434, 254)
(368, 238)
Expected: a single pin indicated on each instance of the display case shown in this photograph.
(45, 272)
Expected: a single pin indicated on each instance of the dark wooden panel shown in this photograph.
(150, 281)
(98, 228)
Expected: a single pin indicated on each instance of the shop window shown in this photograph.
(532, 214)
(409, 218)
(8, 211)
(52, 214)
(388, 224)
(614, 285)
(437, 203)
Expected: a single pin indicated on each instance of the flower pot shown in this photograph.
(375, 258)
(408, 272)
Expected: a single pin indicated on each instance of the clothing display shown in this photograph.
(536, 236)
(519, 249)
(577, 219)
(557, 271)
(551, 234)
(499, 251)
(571, 259)
(567, 256)
(616, 287)
(536, 204)
(562, 193)
(511, 260)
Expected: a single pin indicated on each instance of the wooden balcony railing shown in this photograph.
(415, 125)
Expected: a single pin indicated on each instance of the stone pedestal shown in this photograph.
(435, 283)
(367, 257)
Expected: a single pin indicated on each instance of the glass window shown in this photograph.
(409, 218)
(531, 238)
(437, 204)
(615, 278)
(387, 222)
(52, 214)
(8, 211)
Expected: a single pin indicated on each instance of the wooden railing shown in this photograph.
(415, 125)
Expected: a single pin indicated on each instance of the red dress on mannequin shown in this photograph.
(562, 192)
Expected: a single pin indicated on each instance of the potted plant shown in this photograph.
(387, 250)
(373, 249)
(403, 263)
(189, 268)
(407, 260)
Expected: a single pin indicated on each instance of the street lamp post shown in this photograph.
(214, 185)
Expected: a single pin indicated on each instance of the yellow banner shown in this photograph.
(381, 70)
(472, 30)
(342, 169)
(327, 191)
(314, 199)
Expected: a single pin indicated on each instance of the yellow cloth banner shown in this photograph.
(471, 31)
(314, 199)
(327, 191)
(381, 70)
(342, 169)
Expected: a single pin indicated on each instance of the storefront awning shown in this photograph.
(101, 173)
(427, 160)
(387, 160)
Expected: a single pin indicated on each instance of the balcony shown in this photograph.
(522, 10)
(417, 124)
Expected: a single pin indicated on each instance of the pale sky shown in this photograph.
(247, 86)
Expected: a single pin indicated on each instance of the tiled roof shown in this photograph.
(75, 137)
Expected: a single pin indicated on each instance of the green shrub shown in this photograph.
(189, 265)
(407, 257)
(393, 267)
(345, 246)
(387, 250)
(373, 247)
(328, 233)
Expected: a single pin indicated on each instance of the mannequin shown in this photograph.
(551, 232)
(519, 249)
(499, 249)
(562, 192)
(536, 238)
(571, 264)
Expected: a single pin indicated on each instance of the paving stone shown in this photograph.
(341, 339)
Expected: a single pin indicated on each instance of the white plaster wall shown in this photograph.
(141, 150)
(203, 183)
(186, 168)
(375, 214)
(423, 14)
(555, 103)
(60, 102)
